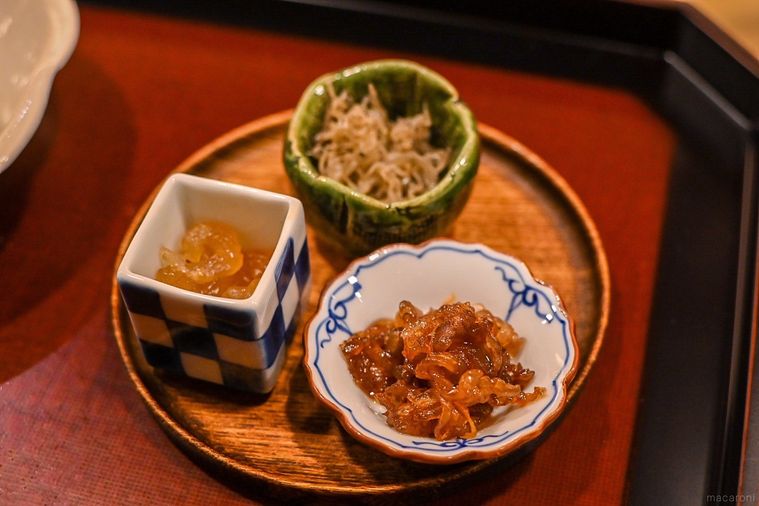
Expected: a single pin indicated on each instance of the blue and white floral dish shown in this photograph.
(428, 276)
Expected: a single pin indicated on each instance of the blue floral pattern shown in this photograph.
(527, 295)
(337, 311)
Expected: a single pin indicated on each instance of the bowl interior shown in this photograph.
(429, 277)
(404, 89)
(186, 200)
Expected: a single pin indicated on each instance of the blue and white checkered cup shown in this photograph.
(237, 343)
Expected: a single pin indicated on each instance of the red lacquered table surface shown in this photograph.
(139, 95)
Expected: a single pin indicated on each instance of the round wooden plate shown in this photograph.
(288, 441)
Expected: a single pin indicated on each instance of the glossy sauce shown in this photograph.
(211, 261)
(440, 374)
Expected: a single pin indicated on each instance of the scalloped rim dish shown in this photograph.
(32, 58)
(371, 286)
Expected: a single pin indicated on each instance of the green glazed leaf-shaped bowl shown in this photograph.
(355, 222)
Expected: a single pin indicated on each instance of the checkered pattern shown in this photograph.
(217, 344)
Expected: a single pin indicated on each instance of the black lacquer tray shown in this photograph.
(708, 89)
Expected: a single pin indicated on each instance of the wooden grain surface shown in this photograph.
(139, 95)
(518, 205)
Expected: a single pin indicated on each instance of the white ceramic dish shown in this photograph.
(239, 343)
(428, 275)
(37, 38)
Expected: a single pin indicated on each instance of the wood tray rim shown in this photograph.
(188, 442)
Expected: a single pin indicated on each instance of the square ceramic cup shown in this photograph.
(237, 343)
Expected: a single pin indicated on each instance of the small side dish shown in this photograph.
(441, 373)
(236, 342)
(381, 152)
(478, 406)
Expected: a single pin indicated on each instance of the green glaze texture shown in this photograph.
(355, 222)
